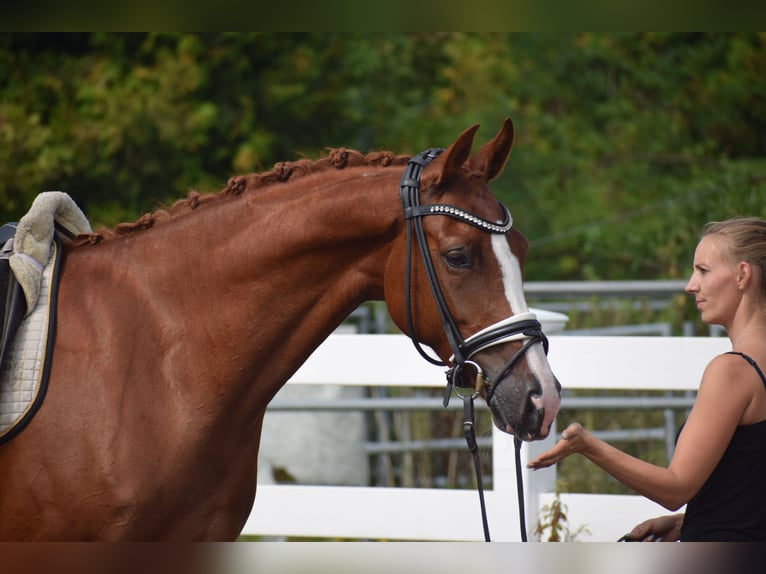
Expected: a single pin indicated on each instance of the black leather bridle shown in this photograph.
(520, 327)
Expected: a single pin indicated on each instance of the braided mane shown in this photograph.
(340, 158)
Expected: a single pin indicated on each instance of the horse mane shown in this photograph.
(339, 158)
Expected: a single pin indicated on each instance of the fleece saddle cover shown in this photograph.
(26, 364)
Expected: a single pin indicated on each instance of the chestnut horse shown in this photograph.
(174, 332)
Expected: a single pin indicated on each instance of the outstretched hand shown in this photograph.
(572, 441)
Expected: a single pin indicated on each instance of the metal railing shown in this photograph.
(669, 405)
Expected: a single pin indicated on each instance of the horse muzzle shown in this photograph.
(523, 394)
(524, 408)
(523, 400)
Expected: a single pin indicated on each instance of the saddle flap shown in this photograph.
(12, 298)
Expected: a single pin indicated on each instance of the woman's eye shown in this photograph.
(457, 258)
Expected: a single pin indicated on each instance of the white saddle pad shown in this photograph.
(21, 376)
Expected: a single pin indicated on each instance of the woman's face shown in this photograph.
(714, 282)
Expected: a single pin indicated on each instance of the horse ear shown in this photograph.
(491, 157)
(452, 159)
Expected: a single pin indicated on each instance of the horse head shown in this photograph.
(464, 296)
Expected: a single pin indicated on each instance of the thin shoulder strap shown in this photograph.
(752, 362)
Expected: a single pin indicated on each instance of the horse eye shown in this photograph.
(457, 258)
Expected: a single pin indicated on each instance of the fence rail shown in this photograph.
(669, 405)
(602, 363)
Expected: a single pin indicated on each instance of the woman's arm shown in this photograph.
(724, 394)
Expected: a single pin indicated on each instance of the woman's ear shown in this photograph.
(744, 274)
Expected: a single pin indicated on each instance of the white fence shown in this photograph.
(647, 363)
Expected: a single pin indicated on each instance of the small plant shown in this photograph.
(553, 523)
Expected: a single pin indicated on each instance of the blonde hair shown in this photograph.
(745, 241)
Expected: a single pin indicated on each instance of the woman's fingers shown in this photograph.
(563, 448)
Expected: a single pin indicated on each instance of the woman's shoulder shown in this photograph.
(736, 360)
(747, 360)
(733, 371)
(730, 381)
(725, 362)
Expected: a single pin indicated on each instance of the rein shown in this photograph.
(520, 327)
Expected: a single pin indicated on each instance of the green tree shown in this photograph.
(626, 143)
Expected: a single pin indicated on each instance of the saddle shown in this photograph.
(12, 299)
(30, 256)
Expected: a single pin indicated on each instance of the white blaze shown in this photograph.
(511, 269)
(536, 360)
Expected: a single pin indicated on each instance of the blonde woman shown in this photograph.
(718, 468)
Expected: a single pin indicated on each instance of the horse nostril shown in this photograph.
(535, 418)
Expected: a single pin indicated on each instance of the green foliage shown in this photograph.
(626, 143)
(553, 524)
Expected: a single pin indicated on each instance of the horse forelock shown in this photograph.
(337, 159)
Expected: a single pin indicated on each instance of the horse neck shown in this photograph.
(279, 268)
(315, 249)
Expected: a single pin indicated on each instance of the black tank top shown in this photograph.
(731, 505)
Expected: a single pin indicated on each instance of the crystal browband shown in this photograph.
(470, 218)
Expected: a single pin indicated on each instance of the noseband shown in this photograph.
(521, 327)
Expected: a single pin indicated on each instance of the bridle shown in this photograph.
(520, 327)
